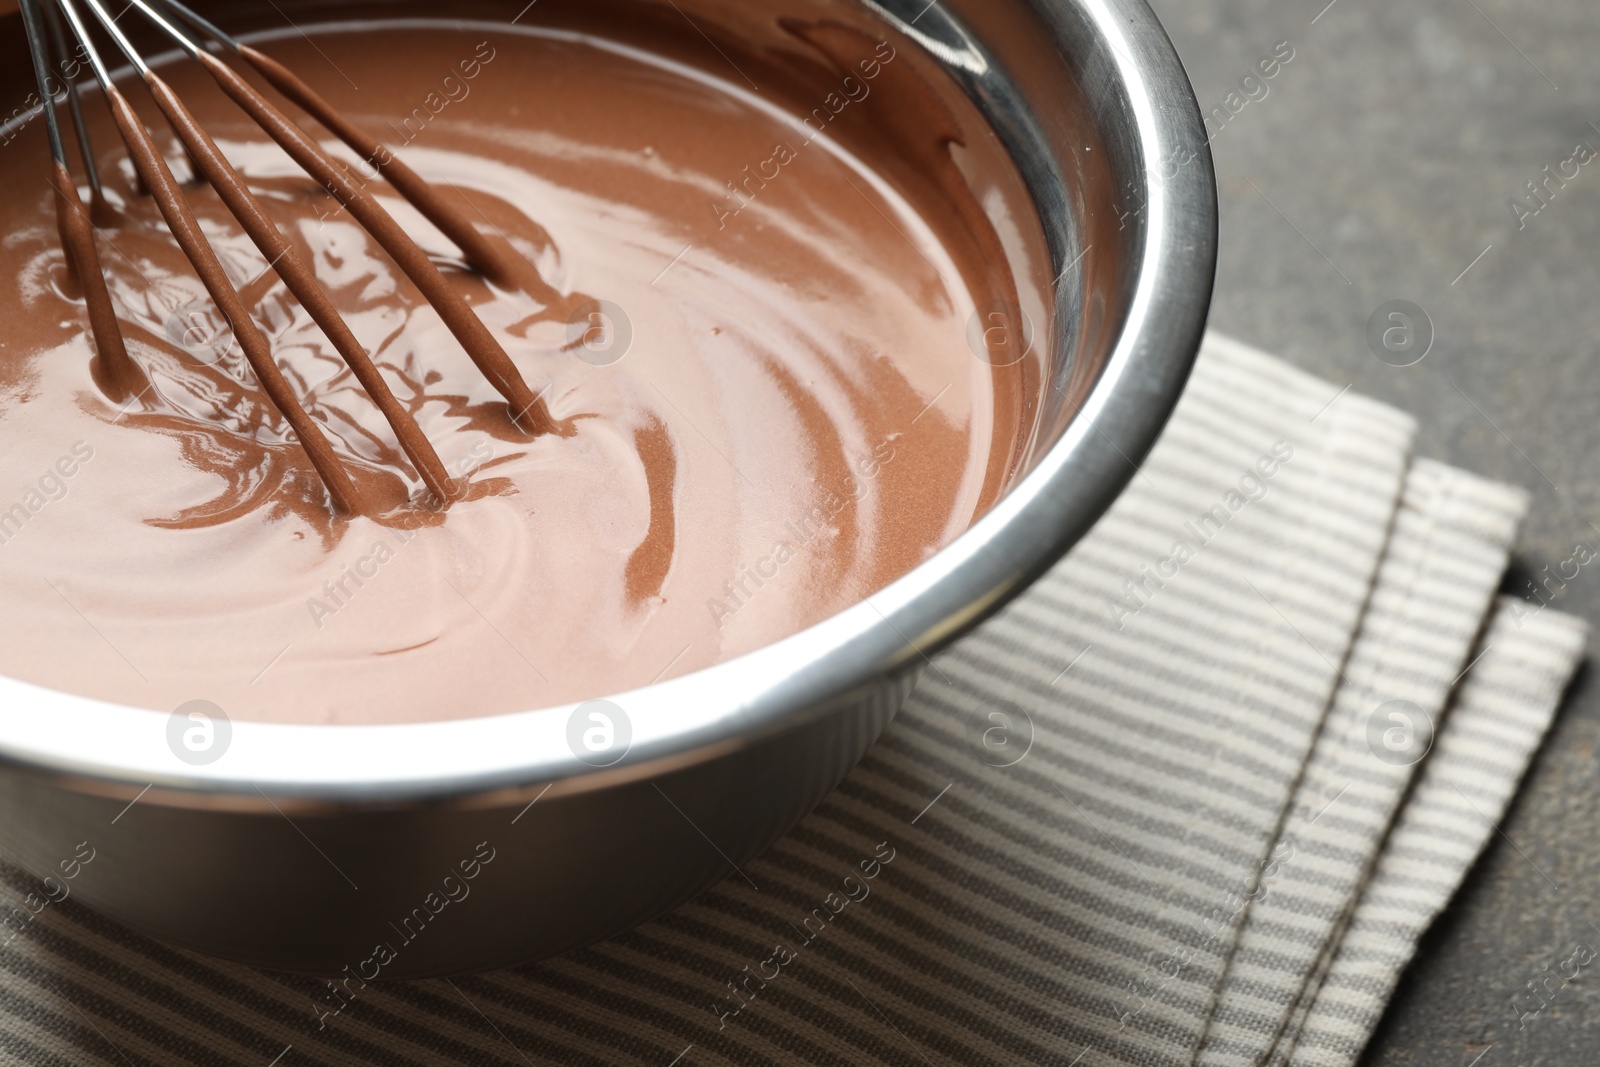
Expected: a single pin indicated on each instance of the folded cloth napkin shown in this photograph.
(1499, 717)
(1447, 550)
(1194, 798)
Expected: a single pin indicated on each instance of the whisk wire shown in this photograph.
(58, 41)
(185, 228)
(479, 343)
(204, 25)
(197, 36)
(282, 257)
(499, 264)
(39, 54)
(112, 368)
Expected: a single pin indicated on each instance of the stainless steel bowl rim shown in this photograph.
(122, 750)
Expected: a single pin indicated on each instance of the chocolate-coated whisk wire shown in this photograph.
(197, 37)
(112, 368)
(459, 318)
(185, 228)
(499, 264)
(286, 261)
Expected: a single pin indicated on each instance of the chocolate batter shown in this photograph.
(751, 320)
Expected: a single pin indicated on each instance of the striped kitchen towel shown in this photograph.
(1499, 718)
(1193, 798)
(1449, 546)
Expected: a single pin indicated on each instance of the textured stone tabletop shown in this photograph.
(1381, 164)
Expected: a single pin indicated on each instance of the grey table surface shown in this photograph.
(1380, 165)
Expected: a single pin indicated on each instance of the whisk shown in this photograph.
(116, 371)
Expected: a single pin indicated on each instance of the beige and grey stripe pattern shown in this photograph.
(1500, 715)
(1068, 821)
(1447, 551)
(1171, 747)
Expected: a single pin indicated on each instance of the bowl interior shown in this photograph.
(1086, 101)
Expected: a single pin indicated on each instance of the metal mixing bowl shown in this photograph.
(298, 849)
